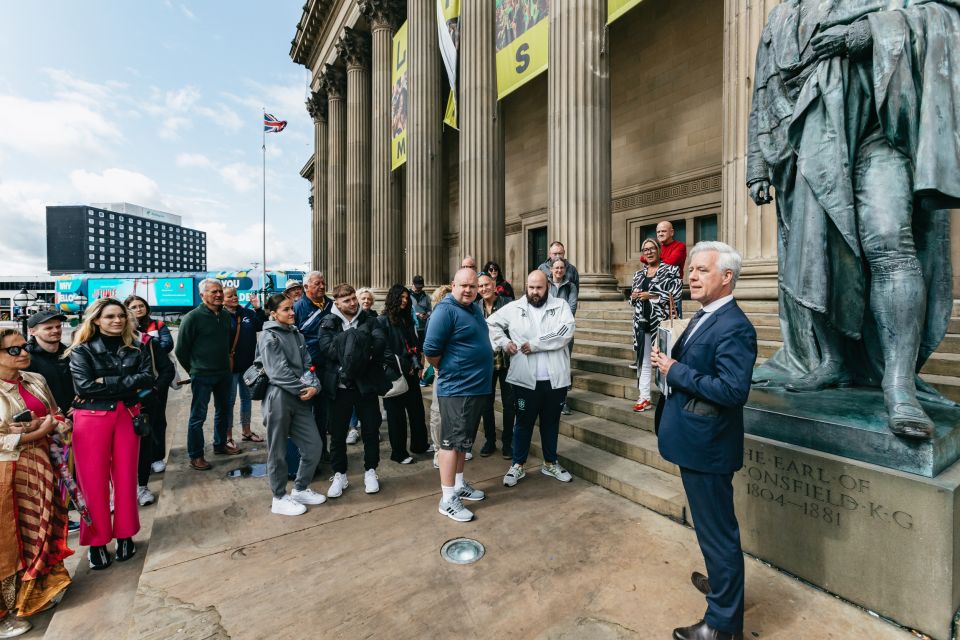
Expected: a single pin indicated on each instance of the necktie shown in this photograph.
(689, 330)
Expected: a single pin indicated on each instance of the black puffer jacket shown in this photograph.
(55, 370)
(373, 379)
(402, 342)
(124, 374)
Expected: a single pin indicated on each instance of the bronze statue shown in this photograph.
(856, 125)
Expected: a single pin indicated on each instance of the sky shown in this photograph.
(158, 103)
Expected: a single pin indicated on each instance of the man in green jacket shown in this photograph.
(203, 349)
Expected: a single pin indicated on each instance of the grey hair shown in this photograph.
(313, 274)
(363, 290)
(207, 281)
(728, 258)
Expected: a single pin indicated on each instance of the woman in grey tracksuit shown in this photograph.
(287, 407)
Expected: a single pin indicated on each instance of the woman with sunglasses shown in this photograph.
(33, 518)
(112, 373)
(504, 288)
(653, 285)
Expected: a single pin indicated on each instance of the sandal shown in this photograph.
(251, 437)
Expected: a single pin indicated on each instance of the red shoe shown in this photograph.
(642, 405)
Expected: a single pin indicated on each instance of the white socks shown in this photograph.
(458, 483)
(448, 492)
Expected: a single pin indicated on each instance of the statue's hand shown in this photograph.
(760, 192)
(832, 42)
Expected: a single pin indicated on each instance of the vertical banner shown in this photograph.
(399, 100)
(616, 8)
(448, 30)
(522, 39)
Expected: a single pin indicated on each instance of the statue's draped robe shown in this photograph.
(808, 121)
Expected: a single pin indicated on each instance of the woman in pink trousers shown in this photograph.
(111, 373)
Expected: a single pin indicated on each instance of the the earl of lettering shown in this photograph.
(855, 124)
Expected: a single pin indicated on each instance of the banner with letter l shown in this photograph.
(399, 99)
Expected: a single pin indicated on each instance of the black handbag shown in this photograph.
(141, 424)
(256, 380)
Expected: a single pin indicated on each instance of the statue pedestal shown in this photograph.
(852, 423)
(885, 539)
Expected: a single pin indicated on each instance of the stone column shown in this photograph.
(752, 230)
(579, 142)
(426, 249)
(334, 82)
(386, 267)
(481, 137)
(317, 108)
(354, 48)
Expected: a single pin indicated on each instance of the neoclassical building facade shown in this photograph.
(641, 120)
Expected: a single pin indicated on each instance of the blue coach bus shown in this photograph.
(165, 292)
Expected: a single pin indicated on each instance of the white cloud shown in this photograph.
(178, 107)
(23, 208)
(193, 160)
(241, 176)
(187, 12)
(55, 128)
(231, 246)
(115, 185)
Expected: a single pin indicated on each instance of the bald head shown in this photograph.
(537, 288)
(469, 262)
(665, 232)
(465, 285)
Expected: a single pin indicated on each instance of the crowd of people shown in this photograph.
(83, 426)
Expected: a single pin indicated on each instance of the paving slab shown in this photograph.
(562, 561)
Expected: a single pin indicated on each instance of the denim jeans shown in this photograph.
(204, 387)
(246, 404)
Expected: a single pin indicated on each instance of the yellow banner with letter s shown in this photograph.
(399, 100)
(522, 31)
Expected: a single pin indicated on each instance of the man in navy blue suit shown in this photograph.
(700, 429)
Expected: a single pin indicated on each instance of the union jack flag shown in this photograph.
(272, 125)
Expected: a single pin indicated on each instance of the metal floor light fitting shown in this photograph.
(462, 551)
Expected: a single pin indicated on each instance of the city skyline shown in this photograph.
(159, 104)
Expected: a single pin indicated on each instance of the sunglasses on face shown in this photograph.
(15, 351)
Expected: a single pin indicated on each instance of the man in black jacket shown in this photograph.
(352, 377)
(46, 356)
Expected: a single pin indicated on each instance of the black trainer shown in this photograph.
(488, 449)
(125, 549)
(99, 558)
(507, 452)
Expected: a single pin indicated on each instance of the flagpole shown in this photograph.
(263, 273)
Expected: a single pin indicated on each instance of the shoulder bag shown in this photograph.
(256, 380)
(399, 386)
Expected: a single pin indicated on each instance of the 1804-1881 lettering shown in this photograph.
(819, 493)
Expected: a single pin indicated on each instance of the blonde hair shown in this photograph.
(234, 289)
(87, 331)
(364, 290)
(440, 293)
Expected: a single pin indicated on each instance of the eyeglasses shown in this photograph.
(15, 351)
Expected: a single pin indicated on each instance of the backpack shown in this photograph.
(354, 352)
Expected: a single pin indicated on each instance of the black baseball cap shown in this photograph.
(418, 280)
(43, 316)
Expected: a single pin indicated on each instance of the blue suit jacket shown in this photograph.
(700, 426)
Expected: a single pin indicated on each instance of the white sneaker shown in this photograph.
(338, 484)
(554, 470)
(370, 482)
(455, 510)
(287, 506)
(469, 492)
(158, 466)
(307, 496)
(353, 436)
(11, 627)
(513, 475)
(145, 496)
(469, 456)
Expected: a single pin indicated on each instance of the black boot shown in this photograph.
(125, 549)
(99, 558)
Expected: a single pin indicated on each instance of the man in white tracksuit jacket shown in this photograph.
(535, 330)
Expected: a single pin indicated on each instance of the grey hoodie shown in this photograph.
(283, 353)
